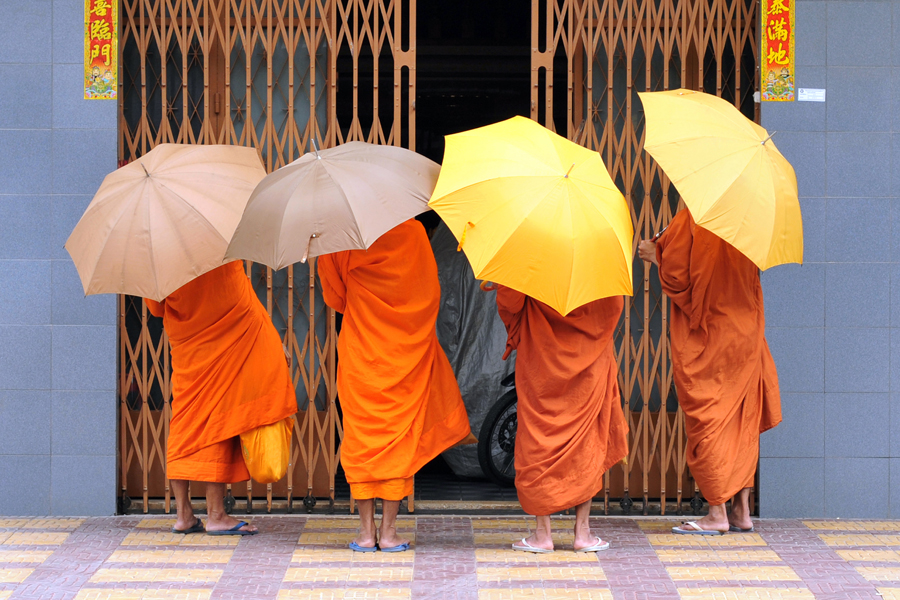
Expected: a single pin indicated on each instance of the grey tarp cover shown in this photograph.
(474, 338)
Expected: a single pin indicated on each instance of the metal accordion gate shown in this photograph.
(589, 60)
(277, 74)
(274, 75)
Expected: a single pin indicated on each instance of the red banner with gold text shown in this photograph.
(101, 49)
(777, 60)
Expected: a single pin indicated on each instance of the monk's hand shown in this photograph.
(287, 355)
(647, 251)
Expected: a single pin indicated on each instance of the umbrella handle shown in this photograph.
(462, 240)
(487, 286)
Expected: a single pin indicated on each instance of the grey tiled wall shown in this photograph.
(57, 349)
(834, 324)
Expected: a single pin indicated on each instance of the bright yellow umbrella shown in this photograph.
(536, 212)
(729, 173)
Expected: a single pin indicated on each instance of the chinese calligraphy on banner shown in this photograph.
(101, 49)
(777, 60)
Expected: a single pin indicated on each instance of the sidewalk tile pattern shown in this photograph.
(452, 558)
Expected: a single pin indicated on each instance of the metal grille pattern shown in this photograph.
(277, 74)
(265, 74)
(589, 60)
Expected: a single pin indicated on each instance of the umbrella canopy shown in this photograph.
(164, 219)
(342, 198)
(536, 212)
(731, 176)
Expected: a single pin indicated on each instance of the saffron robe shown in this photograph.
(724, 373)
(571, 428)
(229, 374)
(400, 400)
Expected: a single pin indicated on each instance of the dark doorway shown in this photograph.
(472, 67)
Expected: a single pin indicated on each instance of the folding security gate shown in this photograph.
(276, 74)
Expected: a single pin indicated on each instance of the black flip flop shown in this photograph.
(197, 527)
(236, 530)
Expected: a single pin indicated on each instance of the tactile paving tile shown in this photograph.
(513, 556)
(138, 594)
(879, 573)
(41, 523)
(865, 539)
(345, 594)
(854, 525)
(21, 538)
(165, 538)
(766, 573)
(745, 593)
(156, 575)
(869, 555)
(544, 594)
(171, 556)
(889, 593)
(307, 556)
(690, 555)
(731, 539)
(24, 556)
(541, 573)
(14, 575)
(348, 574)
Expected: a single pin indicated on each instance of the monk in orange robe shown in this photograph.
(229, 376)
(724, 374)
(401, 403)
(571, 428)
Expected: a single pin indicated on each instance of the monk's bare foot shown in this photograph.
(226, 522)
(364, 540)
(536, 540)
(710, 523)
(184, 522)
(741, 521)
(388, 538)
(585, 539)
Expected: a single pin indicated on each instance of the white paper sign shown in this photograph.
(810, 95)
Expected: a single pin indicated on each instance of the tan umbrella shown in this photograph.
(164, 219)
(342, 198)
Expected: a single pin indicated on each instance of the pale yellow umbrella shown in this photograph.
(537, 213)
(163, 219)
(342, 198)
(729, 173)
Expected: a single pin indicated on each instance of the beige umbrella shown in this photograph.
(164, 219)
(342, 198)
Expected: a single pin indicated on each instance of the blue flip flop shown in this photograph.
(400, 548)
(736, 529)
(357, 548)
(197, 527)
(236, 530)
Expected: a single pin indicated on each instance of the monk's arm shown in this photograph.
(334, 291)
(157, 309)
(673, 255)
(510, 305)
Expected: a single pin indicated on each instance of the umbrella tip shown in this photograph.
(763, 143)
(144, 168)
(566, 176)
(315, 148)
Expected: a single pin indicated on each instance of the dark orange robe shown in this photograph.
(229, 374)
(400, 400)
(724, 374)
(571, 428)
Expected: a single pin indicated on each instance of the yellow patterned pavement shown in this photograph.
(453, 558)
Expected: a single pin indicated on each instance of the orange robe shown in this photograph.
(229, 374)
(571, 428)
(724, 374)
(400, 400)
